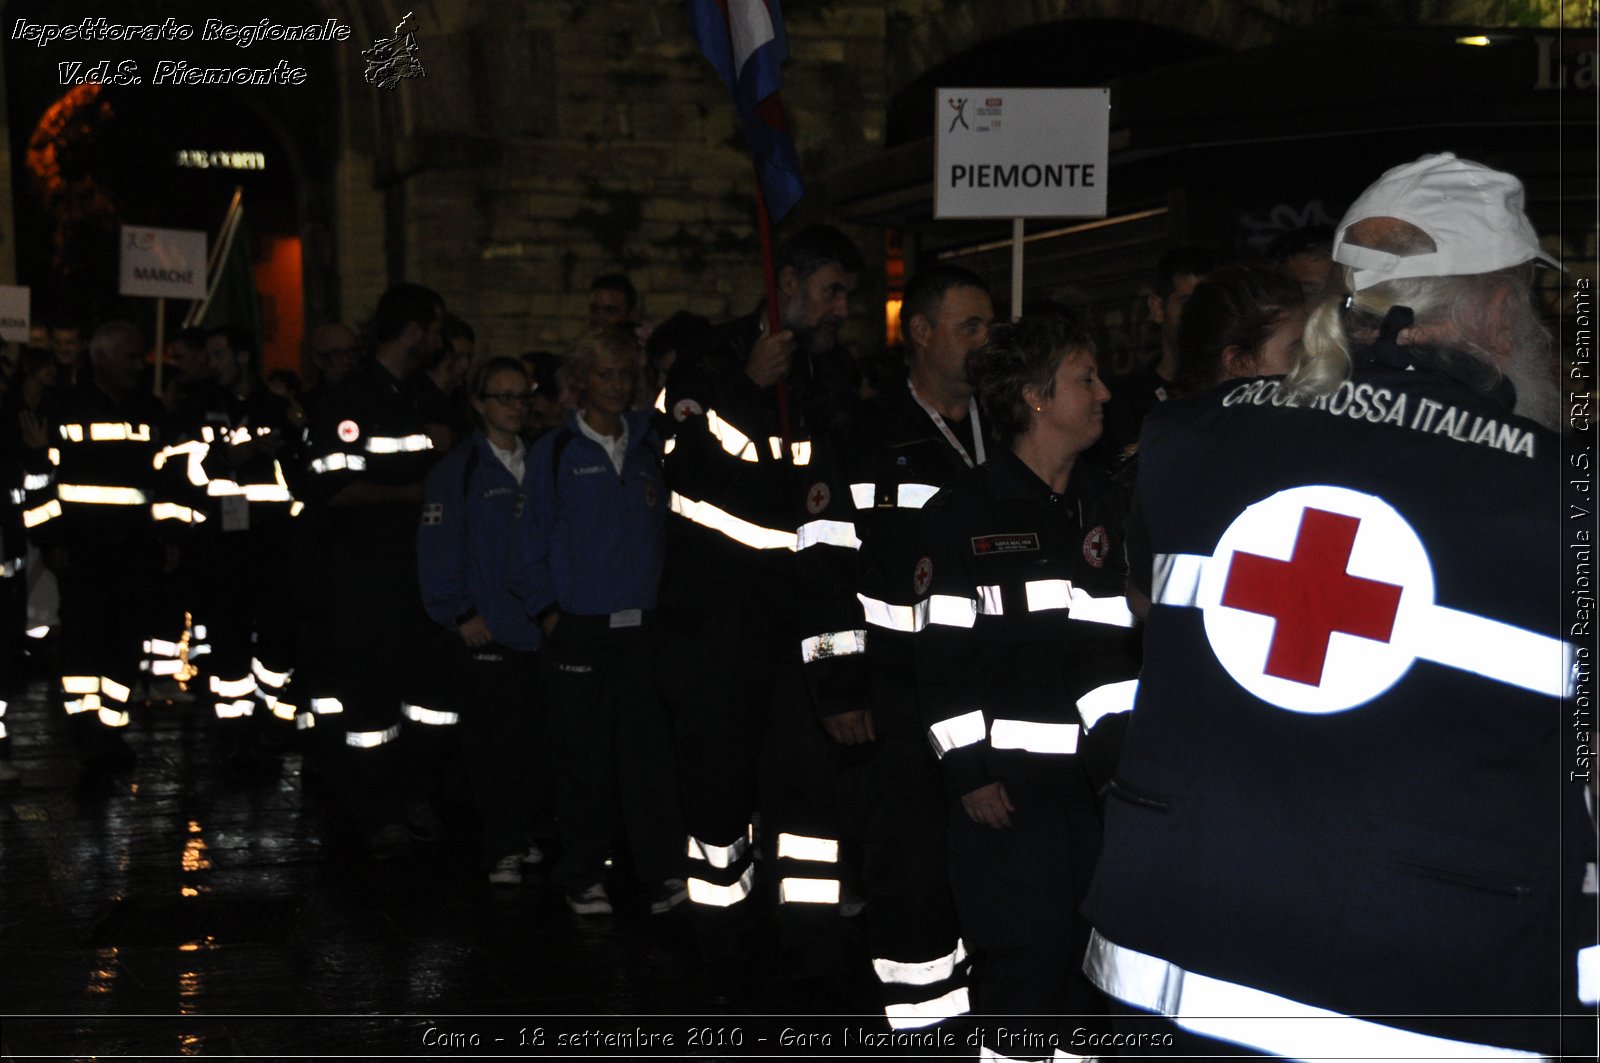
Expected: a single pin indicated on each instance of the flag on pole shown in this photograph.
(744, 40)
(231, 294)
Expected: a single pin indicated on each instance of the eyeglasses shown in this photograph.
(508, 398)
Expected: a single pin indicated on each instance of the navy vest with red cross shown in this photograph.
(1342, 781)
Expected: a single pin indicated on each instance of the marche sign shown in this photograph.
(163, 263)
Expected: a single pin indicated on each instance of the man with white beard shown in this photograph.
(1343, 797)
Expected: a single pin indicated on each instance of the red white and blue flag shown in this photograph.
(745, 42)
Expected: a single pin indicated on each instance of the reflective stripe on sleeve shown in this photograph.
(411, 444)
(802, 847)
(32, 518)
(951, 610)
(863, 495)
(338, 461)
(928, 1012)
(1111, 610)
(808, 891)
(1034, 737)
(927, 972)
(326, 706)
(715, 896)
(110, 717)
(233, 689)
(235, 710)
(800, 452)
(833, 644)
(1106, 700)
(1260, 1020)
(36, 481)
(194, 454)
(95, 494)
(827, 532)
(968, 729)
(1589, 974)
(914, 496)
(739, 530)
(910, 618)
(266, 675)
(173, 511)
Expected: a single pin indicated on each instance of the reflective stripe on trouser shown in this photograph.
(1264, 1021)
(103, 697)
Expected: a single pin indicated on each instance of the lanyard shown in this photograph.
(950, 437)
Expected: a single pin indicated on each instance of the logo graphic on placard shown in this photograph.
(960, 107)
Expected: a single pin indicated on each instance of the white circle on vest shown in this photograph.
(1310, 595)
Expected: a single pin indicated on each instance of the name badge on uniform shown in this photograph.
(1017, 542)
(627, 618)
(235, 513)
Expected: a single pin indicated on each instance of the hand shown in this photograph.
(475, 632)
(548, 624)
(989, 805)
(770, 358)
(34, 436)
(850, 728)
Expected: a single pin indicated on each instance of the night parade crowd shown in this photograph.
(1189, 694)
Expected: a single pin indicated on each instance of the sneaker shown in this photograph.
(668, 896)
(590, 901)
(507, 871)
(534, 855)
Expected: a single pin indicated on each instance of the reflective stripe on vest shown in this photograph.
(1589, 974)
(1456, 639)
(430, 717)
(1033, 737)
(968, 729)
(739, 530)
(827, 532)
(1260, 1020)
(370, 739)
(907, 495)
(398, 444)
(95, 494)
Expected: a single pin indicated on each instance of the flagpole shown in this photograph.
(770, 270)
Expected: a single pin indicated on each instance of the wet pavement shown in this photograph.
(178, 909)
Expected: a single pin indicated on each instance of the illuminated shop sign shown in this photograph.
(222, 160)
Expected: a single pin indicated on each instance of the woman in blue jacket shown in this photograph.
(476, 506)
(589, 571)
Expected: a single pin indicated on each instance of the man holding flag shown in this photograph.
(744, 404)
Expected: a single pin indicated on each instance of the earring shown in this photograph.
(1038, 409)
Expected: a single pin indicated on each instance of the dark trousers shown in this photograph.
(613, 745)
(245, 603)
(1018, 891)
(893, 806)
(106, 589)
(504, 744)
(748, 739)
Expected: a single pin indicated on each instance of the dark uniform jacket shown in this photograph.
(732, 482)
(861, 537)
(1343, 779)
(1020, 618)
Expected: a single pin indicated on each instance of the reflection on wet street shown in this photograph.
(178, 909)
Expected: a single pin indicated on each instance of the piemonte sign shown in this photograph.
(1021, 153)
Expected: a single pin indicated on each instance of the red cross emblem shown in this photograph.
(685, 409)
(1314, 596)
(817, 498)
(1311, 596)
(349, 431)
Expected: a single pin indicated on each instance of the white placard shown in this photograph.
(1021, 153)
(163, 262)
(15, 304)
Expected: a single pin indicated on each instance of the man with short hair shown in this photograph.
(746, 403)
(99, 535)
(858, 550)
(335, 352)
(1343, 794)
(368, 460)
(613, 301)
(1135, 395)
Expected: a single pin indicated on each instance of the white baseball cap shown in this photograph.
(1473, 214)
